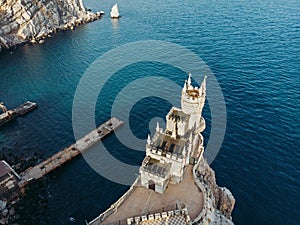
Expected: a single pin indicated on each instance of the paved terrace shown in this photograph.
(142, 200)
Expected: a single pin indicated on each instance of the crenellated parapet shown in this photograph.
(192, 101)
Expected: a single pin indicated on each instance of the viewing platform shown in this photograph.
(65, 155)
(140, 201)
(9, 115)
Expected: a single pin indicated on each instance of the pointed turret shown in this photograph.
(189, 81)
(184, 89)
(148, 140)
(157, 127)
(203, 86)
(192, 101)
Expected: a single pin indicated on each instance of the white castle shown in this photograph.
(170, 151)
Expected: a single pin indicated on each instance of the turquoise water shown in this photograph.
(252, 47)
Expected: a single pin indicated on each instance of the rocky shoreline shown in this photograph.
(8, 212)
(23, 21)
(220, 201)
(29, 206)
(13, 203)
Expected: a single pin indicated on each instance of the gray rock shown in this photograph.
(4, 221)
(4, 212)
(226, 202)
(223, 198)
(26, 20)
(12, 211)
(2, 205)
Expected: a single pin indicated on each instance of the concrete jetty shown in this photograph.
(65, 155)
(9, 115)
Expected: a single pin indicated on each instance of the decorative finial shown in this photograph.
(184, 86)
(203, 86)
(157, 127)
(189, 81)
(148, 140)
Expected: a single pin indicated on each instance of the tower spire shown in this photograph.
(203, 85)
(148, 140)
(157, 127)
(184, 86)
(189, 81)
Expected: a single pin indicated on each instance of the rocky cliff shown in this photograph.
(33, 20)
(220, 201)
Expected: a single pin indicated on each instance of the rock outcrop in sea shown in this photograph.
(31, 20)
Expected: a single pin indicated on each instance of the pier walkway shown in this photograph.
(65, 155)
(8, 115)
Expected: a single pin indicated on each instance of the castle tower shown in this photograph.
(177, 123)
(170, 151)
(192, 101)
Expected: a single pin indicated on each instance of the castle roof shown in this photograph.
(164, 143)
(155, 167)
(178, 115)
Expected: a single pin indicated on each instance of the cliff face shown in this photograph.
(220, 202)
(31, 20)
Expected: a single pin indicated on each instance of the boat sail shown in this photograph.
(114, 13)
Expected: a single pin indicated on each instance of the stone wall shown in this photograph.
(33, 20)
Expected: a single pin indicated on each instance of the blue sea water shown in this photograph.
(252, 47)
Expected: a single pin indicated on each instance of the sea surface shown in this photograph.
(253, 49)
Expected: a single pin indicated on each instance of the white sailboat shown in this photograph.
(114, 13)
